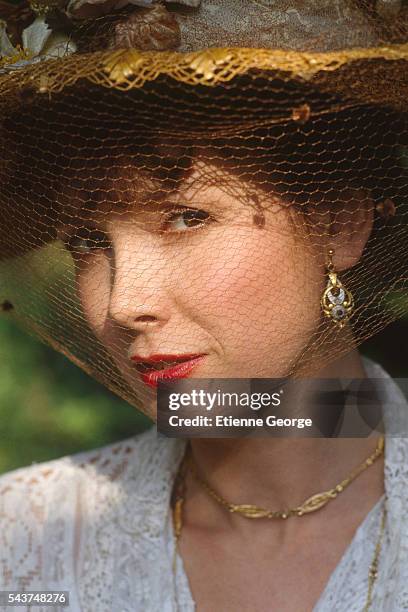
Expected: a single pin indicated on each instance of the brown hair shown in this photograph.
(95, 154)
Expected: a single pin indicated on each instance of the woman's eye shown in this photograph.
(184, 219)
(87, 239)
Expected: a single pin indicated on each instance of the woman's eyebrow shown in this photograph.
(130, 188)
(98, 210)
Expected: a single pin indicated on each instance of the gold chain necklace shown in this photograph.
(310, 505)
(313, 503)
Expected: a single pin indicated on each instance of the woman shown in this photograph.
(197, 230)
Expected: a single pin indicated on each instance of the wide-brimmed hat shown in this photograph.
(305, 100)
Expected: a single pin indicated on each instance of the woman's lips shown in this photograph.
(151, 376)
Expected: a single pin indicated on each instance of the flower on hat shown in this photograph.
(39, 41)
(83, 9)
(40, 29)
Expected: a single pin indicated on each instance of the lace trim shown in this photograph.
(98, 524)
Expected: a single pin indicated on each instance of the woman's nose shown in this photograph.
(139, 298)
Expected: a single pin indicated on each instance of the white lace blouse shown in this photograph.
(98, 524)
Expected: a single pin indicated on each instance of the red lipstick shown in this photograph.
(166, 367)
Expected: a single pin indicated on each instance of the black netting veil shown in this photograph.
(183, 204)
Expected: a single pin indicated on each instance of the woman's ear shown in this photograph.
(346, 229)
(351, 228)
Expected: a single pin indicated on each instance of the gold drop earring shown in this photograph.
(337, 302)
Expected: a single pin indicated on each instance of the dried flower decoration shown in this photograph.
(17, 18)
(86, 9)
(39, 41)
(132, 28)
(151, 29)
(37, 29)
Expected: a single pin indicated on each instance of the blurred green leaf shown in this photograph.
(49, 407)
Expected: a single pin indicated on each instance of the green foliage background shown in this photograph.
(50, 408)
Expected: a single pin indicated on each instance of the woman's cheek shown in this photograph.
(243, 269)
(258, 294)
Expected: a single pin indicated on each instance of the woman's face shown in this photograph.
(192, 279)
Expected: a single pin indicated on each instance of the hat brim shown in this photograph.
(345, 80)
(202, 81)
(374, 74)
